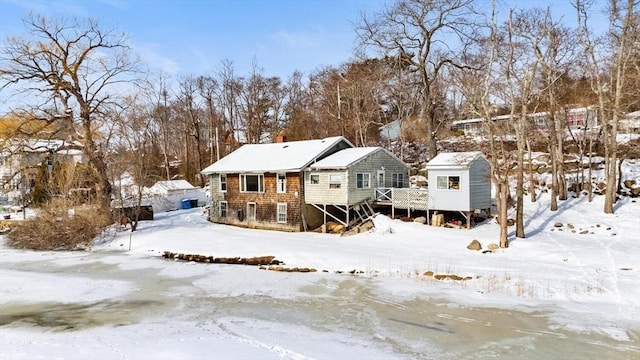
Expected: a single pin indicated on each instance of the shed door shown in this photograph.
(380, 178)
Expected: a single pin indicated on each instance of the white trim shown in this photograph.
(279, 207)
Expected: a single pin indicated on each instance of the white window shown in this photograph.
(223, 209)
(335, 180)
(448, 182)
(363, 180)
(282, 183)
(223, 182)
(282, 212)
(251, 183)
(314, 179)
(397, 180)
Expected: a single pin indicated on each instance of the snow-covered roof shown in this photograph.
(172, 185)
(44, 146)
(344, 158)
(454, 159)
(286, 156)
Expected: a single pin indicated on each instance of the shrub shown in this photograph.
(57, 228)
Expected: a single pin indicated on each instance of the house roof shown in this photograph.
(344, 158)
(286, 156)
(455, 159)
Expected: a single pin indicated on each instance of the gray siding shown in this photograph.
(480, 181)
(349, 194)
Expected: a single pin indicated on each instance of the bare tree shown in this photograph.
(430, 36)
(609, 75)
(70, 72)
(479, 85)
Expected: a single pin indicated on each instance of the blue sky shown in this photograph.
(193, 37)
(180, 37)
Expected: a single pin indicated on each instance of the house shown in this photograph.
(576, 119)
(630, 123)
(344, 182)
(174, 194)
(21, 159)
(459, 181)
(391, 131)
(295, 186)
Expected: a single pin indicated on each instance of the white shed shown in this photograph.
(459, 181)
(169, 195)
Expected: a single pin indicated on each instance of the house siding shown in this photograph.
(266, 203)
(321, 193)
(480, 182)
(446, 199)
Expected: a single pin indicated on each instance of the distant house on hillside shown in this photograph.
(576, 118)
(459, 181)
(391, 131)
(630, 123)
(294, 186)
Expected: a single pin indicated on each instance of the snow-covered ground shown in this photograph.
(571, 289)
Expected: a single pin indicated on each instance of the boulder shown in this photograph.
(493, 247)
(474, 245)
(629, 184)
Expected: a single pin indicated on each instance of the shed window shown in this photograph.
(335, 180)
(397, 180)
(251, 183)
(314, 179)
(282, 212)
(282, 183)
(448, 182)
(363, 180)
(223, 182)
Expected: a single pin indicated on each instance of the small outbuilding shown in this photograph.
(174, 194)
(460, 181)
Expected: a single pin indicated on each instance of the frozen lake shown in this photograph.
(75, 305)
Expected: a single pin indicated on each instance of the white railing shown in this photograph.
(404, 198)
(384, 194)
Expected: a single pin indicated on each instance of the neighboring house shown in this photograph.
(348, 178)
(630, 123)
(20, 161)
(576, 118)
(173, 194)
(391, 131)
(295, 186)
(459, 181)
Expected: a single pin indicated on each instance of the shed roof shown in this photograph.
(286, 156)
(455, 159)
(344, 158)
(172, 185)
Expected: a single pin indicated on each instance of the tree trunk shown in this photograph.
(532, 186)
(503, 194)
(520, 178)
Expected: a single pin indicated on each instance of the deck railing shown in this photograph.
(404, 198)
